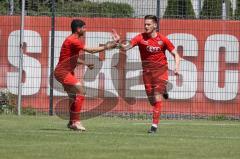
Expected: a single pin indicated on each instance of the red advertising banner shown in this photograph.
(209, 67)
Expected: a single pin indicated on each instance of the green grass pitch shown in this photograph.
(43, 137)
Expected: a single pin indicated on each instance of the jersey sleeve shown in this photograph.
(169, 46)
(78, 44)
(136, 40)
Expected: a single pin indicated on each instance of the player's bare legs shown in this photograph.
(157, 106)
(155, 82)
(76, 97)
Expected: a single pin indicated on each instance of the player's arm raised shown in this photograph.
(122, 45)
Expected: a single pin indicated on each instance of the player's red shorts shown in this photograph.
(155, 79)
(65, 78)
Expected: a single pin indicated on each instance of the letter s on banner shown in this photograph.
(31, 66)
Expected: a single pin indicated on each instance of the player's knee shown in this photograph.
(80, 89)
(158, 97)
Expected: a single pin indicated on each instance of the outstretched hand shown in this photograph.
(115, 36)
(111, 45)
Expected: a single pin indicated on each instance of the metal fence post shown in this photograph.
(19, 102)
(52, 57)
(158, 14)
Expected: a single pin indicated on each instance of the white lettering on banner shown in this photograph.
(31, 66)
(133, 67)
(188, 69)
(211, 67)
(106, 74)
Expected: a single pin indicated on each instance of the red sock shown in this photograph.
(156, 112)
(75, 108)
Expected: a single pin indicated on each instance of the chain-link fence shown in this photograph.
(181, 9)
(206, 34)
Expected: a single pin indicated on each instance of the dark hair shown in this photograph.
(152, 17)
(76, 23)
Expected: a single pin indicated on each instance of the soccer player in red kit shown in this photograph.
(64, 71)
(152, 46)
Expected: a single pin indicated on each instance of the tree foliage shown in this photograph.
(179, 9)
(237, 11)
(72, 8)
(212, 9)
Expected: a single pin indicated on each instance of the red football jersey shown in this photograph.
(152, 50)
(69, 54)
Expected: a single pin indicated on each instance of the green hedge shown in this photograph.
(74, 9)
(179, 9)
(91, 9)
(3, 7)
(108, 9)
(212, 9)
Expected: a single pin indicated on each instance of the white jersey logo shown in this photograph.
(153, 49)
